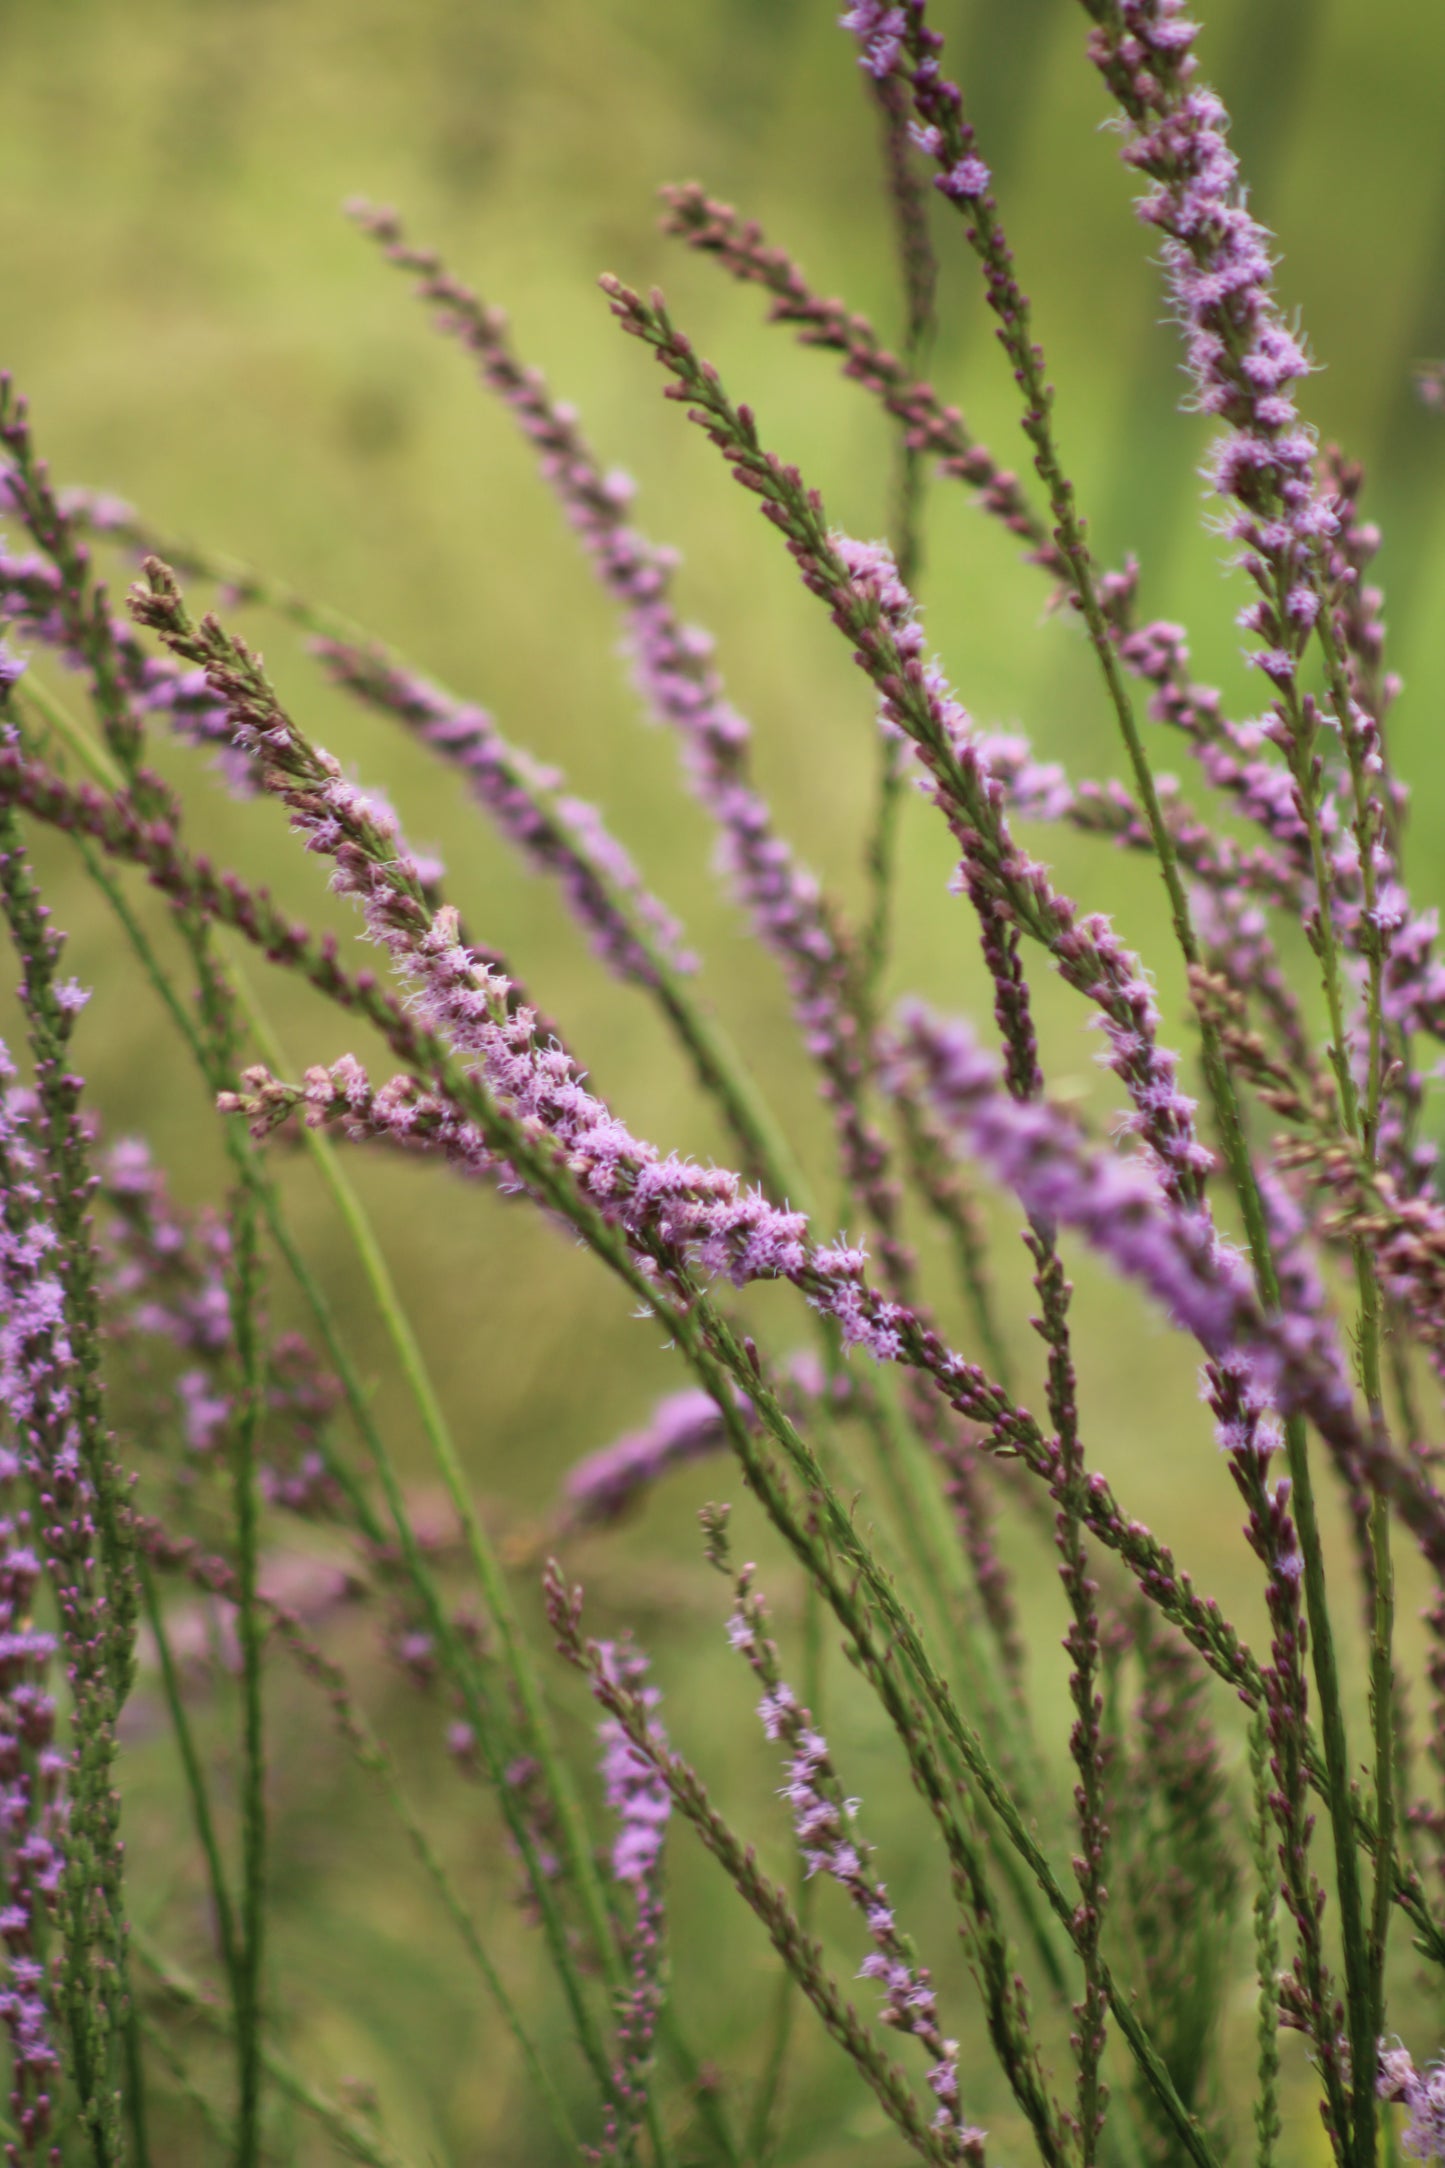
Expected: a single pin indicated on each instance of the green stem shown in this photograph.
(198, 2095)
(250, 1359)
(1266, 1942)
(1368, 820)
(196, 1786)
(937, 1177)
(702, 2088)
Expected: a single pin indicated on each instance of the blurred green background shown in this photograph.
(200, 331)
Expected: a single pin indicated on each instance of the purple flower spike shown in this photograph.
(1116, 1200)
(640, 1799)
(36, 1437)
(1243, 359)
(635, 1792)
(1086, 948)
(825, 1824)
(683, 1427)
(165, 1278)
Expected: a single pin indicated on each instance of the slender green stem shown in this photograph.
(921, 1519)
(244, 1290)
(1266, 1942)
(1369, 823)
(702, 2087)
(938, 1180)
(196, 1785)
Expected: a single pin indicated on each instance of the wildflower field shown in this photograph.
(722, 1254)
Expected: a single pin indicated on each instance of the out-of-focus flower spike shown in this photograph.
(682, 687)
(717, 230)
(558, 834)
(684, 1427)
(165, 1277)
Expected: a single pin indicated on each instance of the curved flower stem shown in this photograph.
(922, 1523)
(200, 2097)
